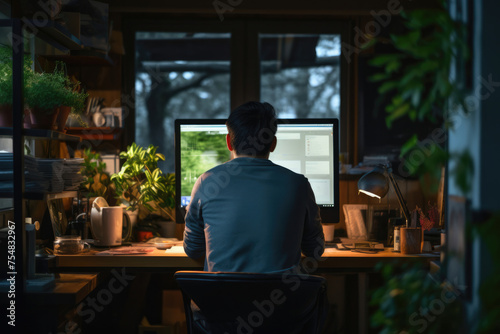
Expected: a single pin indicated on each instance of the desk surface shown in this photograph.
(176, 258)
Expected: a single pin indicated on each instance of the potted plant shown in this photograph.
(140, 184)
(44, 94)
(97, 181)
(72, 102)
(6, 89)
(5, 96)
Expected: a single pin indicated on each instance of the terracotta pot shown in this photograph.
(62, 117)
(6, 115)
(43, 119)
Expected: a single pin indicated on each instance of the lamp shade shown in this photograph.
(374, 183)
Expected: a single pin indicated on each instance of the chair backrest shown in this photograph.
(227, 303)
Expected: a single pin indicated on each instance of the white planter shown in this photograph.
(133, 215)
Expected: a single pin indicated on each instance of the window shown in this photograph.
(201, 70)
(178, 75)
(300, 74)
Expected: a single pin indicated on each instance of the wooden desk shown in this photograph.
(156, 259)
(175, 258)
(353, 267)
(336, 260)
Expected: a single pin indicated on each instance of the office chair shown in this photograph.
(228, 302)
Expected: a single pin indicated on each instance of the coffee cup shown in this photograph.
(328, 231)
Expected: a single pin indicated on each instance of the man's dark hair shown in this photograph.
(252, 127)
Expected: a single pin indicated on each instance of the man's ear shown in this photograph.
(273, 144)
(228, 142)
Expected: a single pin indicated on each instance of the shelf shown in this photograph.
(83, 57)
(49, 31)
(58, 36)
(96, 133)
(69, 289)
(64, 194)
(41, 134)
(54, 34)
(61, 38)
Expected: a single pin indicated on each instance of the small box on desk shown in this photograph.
(369, 222)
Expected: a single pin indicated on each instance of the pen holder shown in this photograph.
(411, 239)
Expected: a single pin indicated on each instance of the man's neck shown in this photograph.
(234, 155)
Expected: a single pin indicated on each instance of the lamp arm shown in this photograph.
(401, 200)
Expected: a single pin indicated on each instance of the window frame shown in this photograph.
(245, 60)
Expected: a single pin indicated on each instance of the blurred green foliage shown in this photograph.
(489, 291)
(413, 301)
(416, 77)
(200, 152)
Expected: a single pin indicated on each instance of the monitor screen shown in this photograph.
(306, 146)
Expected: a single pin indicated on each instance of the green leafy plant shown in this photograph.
(417, 74)
(141, 184)
(416, 80)
(47, 91)
(97, 181)
(73, 98)
(6, 73)
(5, 77)
(413, 301)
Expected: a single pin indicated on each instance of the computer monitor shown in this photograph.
(306, 146)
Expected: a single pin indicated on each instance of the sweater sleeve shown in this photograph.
(313, 240)
(194, 235)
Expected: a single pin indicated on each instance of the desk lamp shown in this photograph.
(375, 184)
